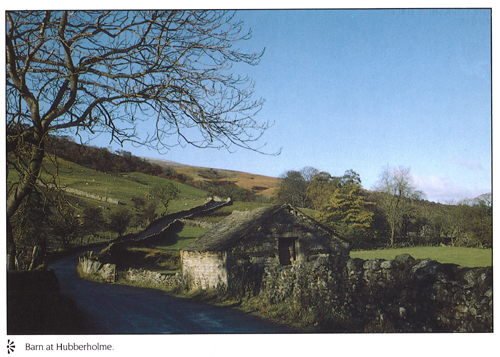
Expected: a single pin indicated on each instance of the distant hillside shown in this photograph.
(241, 186)
(162, 162)
(258, 184)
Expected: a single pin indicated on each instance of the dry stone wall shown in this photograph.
(400, 295)
(196, 223)
(421, 295)
(317, 286)
(152, 278)
(86, 194)
(171, 222)
(91, 266)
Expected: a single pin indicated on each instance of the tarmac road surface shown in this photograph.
(117, 309)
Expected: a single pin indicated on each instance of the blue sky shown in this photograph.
(363, 89)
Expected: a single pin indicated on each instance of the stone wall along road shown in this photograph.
(117, 309)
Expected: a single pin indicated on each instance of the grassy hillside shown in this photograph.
(259, 184)
(120, 187)
(468, 257)
(123, 187)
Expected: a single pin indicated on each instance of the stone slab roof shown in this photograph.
(239, 224)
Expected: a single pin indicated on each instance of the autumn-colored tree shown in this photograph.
(345, 211)
(320, 188)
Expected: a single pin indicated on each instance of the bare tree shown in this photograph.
(398, 190)
(108, 71)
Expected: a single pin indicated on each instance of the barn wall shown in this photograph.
(262, 247)
(204, 270)
(241, 265)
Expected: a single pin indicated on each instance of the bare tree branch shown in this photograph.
(110, 71)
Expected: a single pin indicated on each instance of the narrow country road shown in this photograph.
(117, 309)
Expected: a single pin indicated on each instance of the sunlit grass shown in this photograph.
(467, 257)
(121, 187)
(182, 238)
(186, 191)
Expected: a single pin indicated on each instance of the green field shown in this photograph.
(120, 187)
(182, 238)
(467, 257)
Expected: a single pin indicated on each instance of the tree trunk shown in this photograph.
(14, 200)
(25, 186)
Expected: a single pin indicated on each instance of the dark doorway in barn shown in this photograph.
(287, 251)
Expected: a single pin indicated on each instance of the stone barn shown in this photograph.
(238, 250)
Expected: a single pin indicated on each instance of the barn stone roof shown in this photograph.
(239, 224)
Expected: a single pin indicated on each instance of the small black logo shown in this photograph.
(10, 346)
